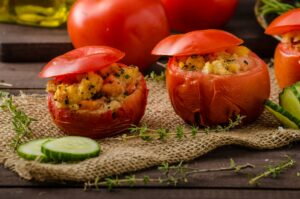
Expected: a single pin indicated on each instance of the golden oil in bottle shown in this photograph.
(44, 13)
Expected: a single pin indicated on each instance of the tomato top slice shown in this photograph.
(81, 60)
(196, 42)
(289, 21)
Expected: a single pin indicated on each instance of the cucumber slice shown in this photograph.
(32, 150)
(71, 149)
(282, 115)
(289, 99)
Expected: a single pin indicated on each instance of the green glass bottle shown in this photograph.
(43, 13)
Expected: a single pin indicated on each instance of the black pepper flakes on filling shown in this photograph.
(127, 76)
(91, 87)
(97, 96)
(67, 101)
(117, 75)
(122, 71)
(245, 62)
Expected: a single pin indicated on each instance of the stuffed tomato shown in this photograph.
(211, 79)
(92, 95)
(287, 53)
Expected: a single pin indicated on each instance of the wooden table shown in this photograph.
(22, 44)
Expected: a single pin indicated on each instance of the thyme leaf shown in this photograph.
(277, 7)
(273, 171)
(148, 134)
(20, 120)
(170, 175)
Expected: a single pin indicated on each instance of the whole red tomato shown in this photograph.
(209, 99)
(188, 15)
(133, 26)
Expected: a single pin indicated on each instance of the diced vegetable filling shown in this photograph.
(292, 38)
(102, 90)
(230, 61)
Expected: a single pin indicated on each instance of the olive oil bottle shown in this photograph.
(43, 13)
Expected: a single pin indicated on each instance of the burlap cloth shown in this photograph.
(131, 155)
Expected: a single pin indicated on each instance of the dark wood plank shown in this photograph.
(245, 25)
(55, 193)
(25, 44)
(31, 44)
(215, 159)
(21, 75)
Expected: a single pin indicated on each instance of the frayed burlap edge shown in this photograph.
(119, 156)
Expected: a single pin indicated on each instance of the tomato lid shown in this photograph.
(289, 21)
(81, 60)
(196, 42)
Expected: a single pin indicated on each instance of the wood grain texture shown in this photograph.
(216, 159)
(31, 44)
(54, 193)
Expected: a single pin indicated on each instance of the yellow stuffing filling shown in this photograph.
(292, 38)
(105, 89)
(230, 61)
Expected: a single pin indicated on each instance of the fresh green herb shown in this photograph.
(156, 77)
(179, 132)
(276, 7)
(232, 124)
(127, 76)
(148, 134)
(274, 171)
(162, 133)
(194, 130)
(21, 122)
(171, 175)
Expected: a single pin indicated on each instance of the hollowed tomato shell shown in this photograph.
(287, 66)
(99, 125)
(206, 99)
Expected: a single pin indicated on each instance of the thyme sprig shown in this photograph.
(156, 77)
(149, 134)
(171, 175)
(276, 6)
(273, 171)
(231, 124)
(20, 120)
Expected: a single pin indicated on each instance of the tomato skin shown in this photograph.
(133, 26)
(81, 60)
(100, 125)
(206, 99)
(287, 22)
(287, 66)
(188, 15)
(196, 42)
